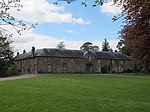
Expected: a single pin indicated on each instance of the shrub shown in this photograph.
(12, 70)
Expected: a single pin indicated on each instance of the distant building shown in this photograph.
(72, 61)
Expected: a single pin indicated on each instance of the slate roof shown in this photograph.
(72, 54)
(121, 56)
(104, 55)
(110, 55)
(52, 53)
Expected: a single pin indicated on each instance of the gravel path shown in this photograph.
(19, 77)
(34, 75)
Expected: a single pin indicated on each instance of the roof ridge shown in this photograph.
(68, 53)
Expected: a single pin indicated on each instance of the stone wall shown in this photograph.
(27, 65)
(73, 65)
(60, 65)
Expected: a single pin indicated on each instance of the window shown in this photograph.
(99, 69)
(71, 60)
(49, 68)
(61, 60)
(35, 68)
(99, 61)
(64, 65)
(113, 62)
(90, 58)
(121, 62)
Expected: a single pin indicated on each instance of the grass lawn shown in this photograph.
(76, 93)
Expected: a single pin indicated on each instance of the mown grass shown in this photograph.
(76, 93)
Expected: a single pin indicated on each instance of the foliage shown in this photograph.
(136, 31)
(105, 46)
(95, 48)
(7, 19)
(6, 55)
(84, 2)
(7, 65)
(61, 46)
(123, 47)
(12, 70)
(88, 46)
(76, 93)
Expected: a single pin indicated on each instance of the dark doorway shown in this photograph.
(89, 68)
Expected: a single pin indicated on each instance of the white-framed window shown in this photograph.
(49, 68)
(35, 71)
(121, 62)
(90, 58)
(113, 62)
(71, 60)
(61, 60)
(99, 69)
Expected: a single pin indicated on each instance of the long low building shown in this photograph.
(72, 61)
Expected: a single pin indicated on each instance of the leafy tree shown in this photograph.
(6, 55)
(136, 31)
(95, 48)
(105, 46)
(61, 46)
(123, 47)
(88, 46)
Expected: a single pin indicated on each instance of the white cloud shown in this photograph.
(29, 39)
(43, 11)
(110, 9)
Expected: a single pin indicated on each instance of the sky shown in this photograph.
(72, 24)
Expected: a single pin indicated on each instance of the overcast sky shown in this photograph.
(71, 23)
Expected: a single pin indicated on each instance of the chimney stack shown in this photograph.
(24, 51)
(33, 51)
(17, 53)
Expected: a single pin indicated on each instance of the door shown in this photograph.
(89, 68)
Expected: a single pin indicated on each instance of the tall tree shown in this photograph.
(86, 46)
(61, 46)
(105, 46)
(6, 19)
(123, 47)
(6, 55)
(95, 48)
(136, 32)
(89, 46)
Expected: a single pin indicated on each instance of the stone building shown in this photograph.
(72, 61)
